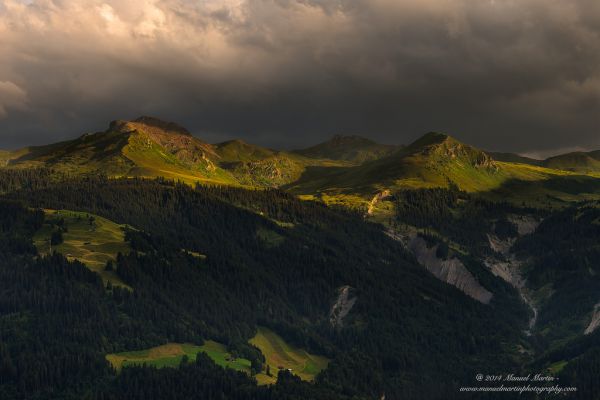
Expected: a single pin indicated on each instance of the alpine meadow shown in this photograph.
(301, 200)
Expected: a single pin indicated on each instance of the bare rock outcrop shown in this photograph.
(595, 322)
(507, 267)
(342, 306)
(376, 199)
(451, 271)
(525, 224)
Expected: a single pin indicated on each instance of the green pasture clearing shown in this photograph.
(171, 354)
(281, 355)
(90, 239)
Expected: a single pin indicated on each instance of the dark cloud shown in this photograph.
(502, 74)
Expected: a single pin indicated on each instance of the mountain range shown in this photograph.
(349, 170)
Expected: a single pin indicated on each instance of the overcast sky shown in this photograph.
(511, 75)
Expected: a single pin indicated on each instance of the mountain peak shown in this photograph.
(351, 148)
(439, 146)
(234, 142)
(166, 126)
(431, 138)
(148, 123)
(348, 140)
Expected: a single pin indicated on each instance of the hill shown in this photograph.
(253, 165)
(433, 160)
(514, 158)
(354, 149)
(349, 170)
(577, 162)
(142, 147)
(149, 147)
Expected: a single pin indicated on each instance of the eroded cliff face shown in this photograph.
(506, 265)
(376, 199)
(454, 272)
(342, 306)
(595, 322)
(525, 224)
(451, 271)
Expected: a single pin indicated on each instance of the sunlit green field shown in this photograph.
(90, 239)
(171, 354)
(281, 355)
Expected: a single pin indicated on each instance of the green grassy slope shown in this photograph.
(278, 354)
(577, 162)
(432, 161)
(281, 355)
(253, 165)
(91, 239)
(148, 147)
(174, 156)
(98, 152)
(143, 147)
(240, 151)
(581, 162)
(514, 158)
(354, 149)
(171, 354)
(347, 170)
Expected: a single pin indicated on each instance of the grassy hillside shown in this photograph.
(258, 166)
(353, 149)
(148, 147)
(98, 152)
(171, 354)
(435, 160)
(346, 170)
(88, 238)
(580, 162)
(178, 157)
(514, 158)
(281, 355)
(577, 162)
(428, 162)
(143, 147)
(240, 151)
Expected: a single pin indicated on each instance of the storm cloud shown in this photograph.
(510, 75)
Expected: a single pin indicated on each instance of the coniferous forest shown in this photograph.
(408, 336)
(241, 284)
